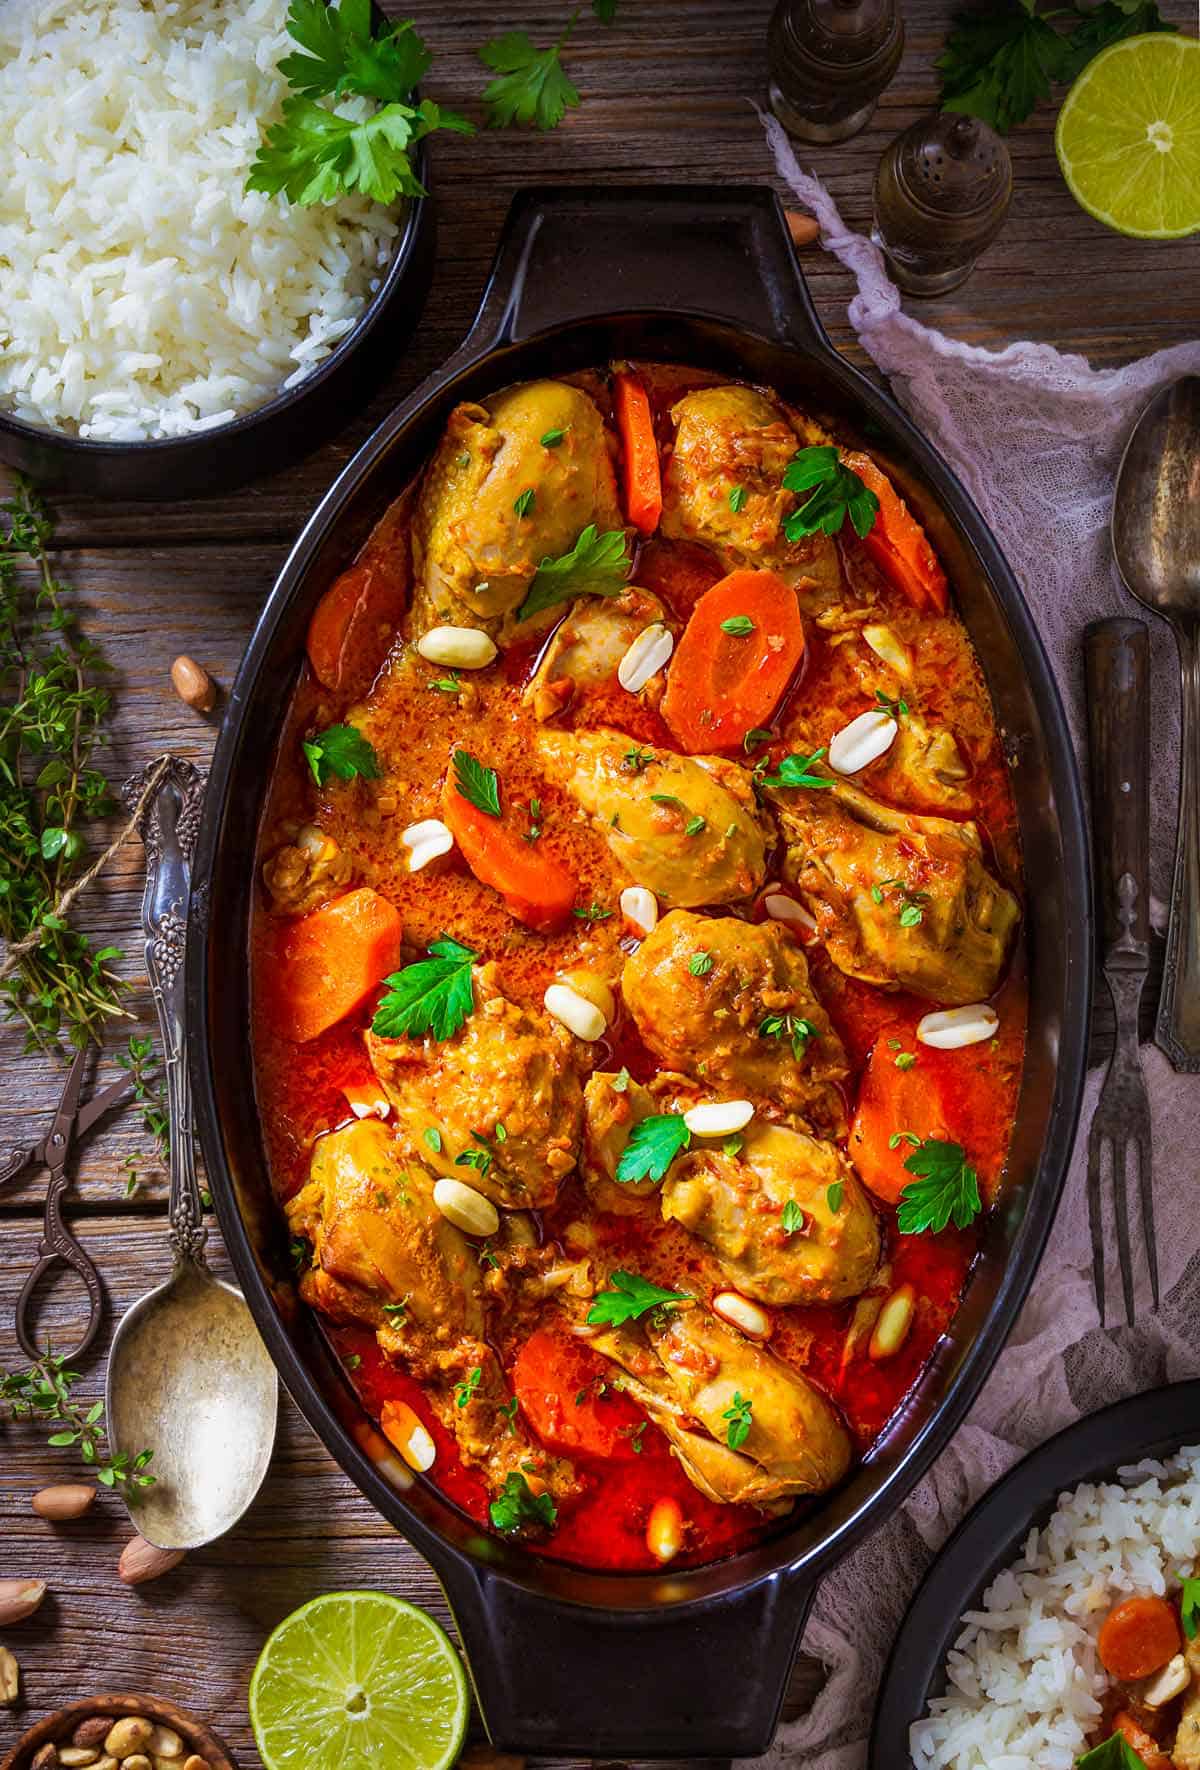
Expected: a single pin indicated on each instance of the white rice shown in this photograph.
(143, 291)
(1025, 1684)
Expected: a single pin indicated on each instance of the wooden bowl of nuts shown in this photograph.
(119, 1731)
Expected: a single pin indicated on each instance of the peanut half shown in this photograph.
(19, 1598)
(141, 1561)
(10, 1678)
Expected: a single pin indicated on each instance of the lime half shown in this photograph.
(1128, 136)
(357, 1680)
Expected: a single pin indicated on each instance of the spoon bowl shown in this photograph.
(1156, 542)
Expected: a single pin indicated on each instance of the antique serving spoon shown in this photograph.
(188, 1375)
(1156, 540)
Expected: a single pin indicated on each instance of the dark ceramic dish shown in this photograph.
(273, 435)
(990, 1537)
(692, 1663)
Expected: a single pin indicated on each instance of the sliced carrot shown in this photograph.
(329, 961)
(564, 1395)
(1141, 1742)
(640, 475)
(726, 678)
(898, 544)
(892, 1102)
(1138, 1637)
(353, 623)
(537, 890)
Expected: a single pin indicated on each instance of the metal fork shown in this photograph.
(1116, 657)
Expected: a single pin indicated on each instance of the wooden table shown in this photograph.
(668, 96)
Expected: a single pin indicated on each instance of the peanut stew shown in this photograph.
(639, 1011)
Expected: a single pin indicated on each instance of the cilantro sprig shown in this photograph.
(531, 88)
(314, 154)
(517, 1506)
(946, 1189)
(340, 750)
(433, 996)
(653, 1145)
(597, 565)
(835, 493)
(630, 1298)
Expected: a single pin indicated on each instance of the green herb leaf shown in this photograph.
(1108, 23)
(620, 1082)
(629, 1299)
(523, 504)
(465, 1390)
(340, 750)
(1189, 1605)
(433, 1137)
(739, 1416)
(834, 1195)
(738, 625)
(597, 565)
(792, 1221)
(531, 87)
(313, 155)
(509, 1410)
(897, 709)
(517, 1506)
(790, 1026)
(605, 10)
(653, 1145)
(344, 56)
(693, 826)
(478, 785)
(797, 771)
(636, 759)
(435, 995)
(396, 1312)
(905, 1059)
(737, 500)
(755, 737)
(700, 964)
(1116, 1753)
(479, 1159)
(836, 492)
(946, 1190)
(551, 438)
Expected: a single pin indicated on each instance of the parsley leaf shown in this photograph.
(478, 785)
(738, 625)
(314, 156)
(946, 1190)
(341, 750)
(1108, 23)
(597, 565)
(630, 1298)
(836, 492)
(1189, 1606)
(739, 1416)
(344, 56)
(700, 964)
(998, 63)
(517, 1505)
(531, 87)
(797, 771)
(1116, 1753)
(434, 995)
(653, 1145)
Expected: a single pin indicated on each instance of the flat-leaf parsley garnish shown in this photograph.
(478, 785)
(946, 1189)
(630, 1297)
(597, 565)
(836, 492)
(435, 995)
(531, 86)
(341, 750)
(653, 1145)
(516, 1505)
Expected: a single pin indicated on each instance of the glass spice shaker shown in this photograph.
(829, 60)
(942, 193)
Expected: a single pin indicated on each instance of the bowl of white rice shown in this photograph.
(163, 331)
(996, 1664)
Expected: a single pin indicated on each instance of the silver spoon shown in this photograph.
(1156, 540)
(188, 1374)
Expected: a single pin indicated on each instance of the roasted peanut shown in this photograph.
(165, 1743)
(69, 1500)
(137, 1761)
(804, 229)
(10, 1678)
(19, 1598)
(196, 1762)
(107, 1763)
(193, 684)
(141, 1561)
(76, 1757)
(128, 1735)
(94, 1731)
(45, 1757)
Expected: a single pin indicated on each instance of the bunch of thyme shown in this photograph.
(139, 1059)
(52, 721)
(43, 1392)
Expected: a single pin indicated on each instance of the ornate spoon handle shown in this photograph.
(1178, 1030)
(167, 824)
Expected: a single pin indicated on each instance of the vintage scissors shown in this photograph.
(58, 1247)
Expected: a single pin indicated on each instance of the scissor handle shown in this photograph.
(58, 1247)
(11, 1163)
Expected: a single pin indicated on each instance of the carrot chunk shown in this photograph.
(734, 662)
(898, 544)
(537, 890)
(330, 960)
(891, 1103)
(352, 625)
(1138, 1637)
(561, 1387)
(640, 475)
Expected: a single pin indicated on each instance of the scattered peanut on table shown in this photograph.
(19, 1598)
(70, 1499)
(141, 1561)
(10, 1678)
(193, 684)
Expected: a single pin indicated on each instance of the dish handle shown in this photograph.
(697, 1680)
(718, 252)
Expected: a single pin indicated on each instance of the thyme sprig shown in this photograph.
(149, 1091)
(43, 1393)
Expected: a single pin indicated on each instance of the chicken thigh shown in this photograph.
(499, 1105)
(746, 1024)
(702, 1383)
(685, 827)
(477, 539)
(902, 901)
(586, 648)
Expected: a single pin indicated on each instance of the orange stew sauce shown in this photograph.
(625, 1462)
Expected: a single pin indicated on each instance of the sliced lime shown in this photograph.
(1128, 136)
(356, 1680)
